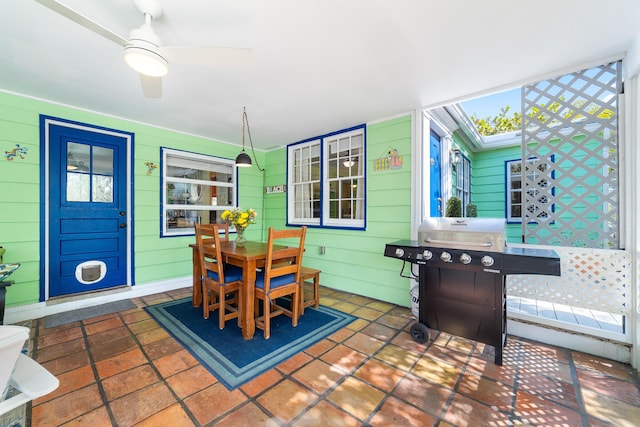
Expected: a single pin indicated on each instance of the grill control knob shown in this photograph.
(427, 254)
(465, 258)
(399, 252)
(487, 261)
(445, 256)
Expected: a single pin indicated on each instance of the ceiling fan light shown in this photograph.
(243, 160)
(146, 59)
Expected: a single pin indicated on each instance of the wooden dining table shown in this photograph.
(249, 256)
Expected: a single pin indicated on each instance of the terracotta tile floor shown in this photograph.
(124, 370)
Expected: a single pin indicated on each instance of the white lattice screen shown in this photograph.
(570, 136)
(596, 279)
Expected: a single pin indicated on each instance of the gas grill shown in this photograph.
(462, 267)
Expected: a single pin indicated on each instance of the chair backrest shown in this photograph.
(223, 230)
(280, 262)
(208, 241)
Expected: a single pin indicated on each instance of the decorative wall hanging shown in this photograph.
(16, 152)
(389, 160)
(150, 167)
(271, 189)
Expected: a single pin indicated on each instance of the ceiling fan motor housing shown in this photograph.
(143, 53)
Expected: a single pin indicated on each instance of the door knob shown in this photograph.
(123, 225)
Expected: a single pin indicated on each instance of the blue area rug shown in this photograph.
(231, 358)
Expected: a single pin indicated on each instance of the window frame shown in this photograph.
(197, 209)
(508, 190)
(330, 172)
(295, 183)
(462, 186)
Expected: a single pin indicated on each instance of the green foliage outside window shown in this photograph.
(507, 122)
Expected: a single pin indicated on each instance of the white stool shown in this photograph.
(20, 371)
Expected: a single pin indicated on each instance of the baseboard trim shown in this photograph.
(596, 346)
(38, 310)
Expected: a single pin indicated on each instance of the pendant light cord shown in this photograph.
(245, 120)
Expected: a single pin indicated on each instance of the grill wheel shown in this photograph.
(419, 332)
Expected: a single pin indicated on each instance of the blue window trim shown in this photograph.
(161, 192)
(321, 139)
(507, 175)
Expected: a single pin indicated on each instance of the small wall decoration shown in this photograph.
(389, 160)
(16, 152)
(150, 167)
(272, 189)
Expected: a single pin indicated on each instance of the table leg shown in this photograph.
(196, 296)
(248, 295)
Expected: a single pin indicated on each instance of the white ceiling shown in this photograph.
(321, 65)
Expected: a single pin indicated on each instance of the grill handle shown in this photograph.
(448, 242)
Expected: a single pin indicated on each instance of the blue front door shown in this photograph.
(435, 176)
(88, 216)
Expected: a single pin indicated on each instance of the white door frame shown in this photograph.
(45, 124)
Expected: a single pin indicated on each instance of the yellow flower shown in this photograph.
(239, 219)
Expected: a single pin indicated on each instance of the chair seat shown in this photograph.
(231, 274)
(275, 281)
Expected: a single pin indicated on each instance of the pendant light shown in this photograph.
(243, 159)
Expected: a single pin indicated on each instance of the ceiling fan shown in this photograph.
(143, 51)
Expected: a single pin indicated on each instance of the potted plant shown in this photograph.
(454, 207)
(472, 210)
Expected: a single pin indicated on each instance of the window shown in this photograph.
(462, 181)
(196, 188)
(89, 173)
(327, 182)
(539, 192)
(304, 180)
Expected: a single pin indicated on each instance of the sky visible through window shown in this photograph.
(491, 105)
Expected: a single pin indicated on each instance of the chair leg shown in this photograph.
(295, 309)
(205, 302)
(240, 306)
(267, 320)
(316, 297)
(221, 308)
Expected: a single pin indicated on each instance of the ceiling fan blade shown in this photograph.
(79, 18)
(151, 86)
(209, 56)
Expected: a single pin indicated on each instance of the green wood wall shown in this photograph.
(353, 260)
(489, 186)
(155, 259)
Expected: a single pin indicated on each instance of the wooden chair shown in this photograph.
(306, 274)
(218, 279)
(223, 232)
(280, 277)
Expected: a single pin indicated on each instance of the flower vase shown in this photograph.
(240, 237)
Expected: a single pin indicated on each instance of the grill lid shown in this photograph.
(477, 234)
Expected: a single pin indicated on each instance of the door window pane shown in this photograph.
(102, 189)
(102, 161)
(78, 156)
(78, 187)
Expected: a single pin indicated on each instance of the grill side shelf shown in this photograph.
(531, 261)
